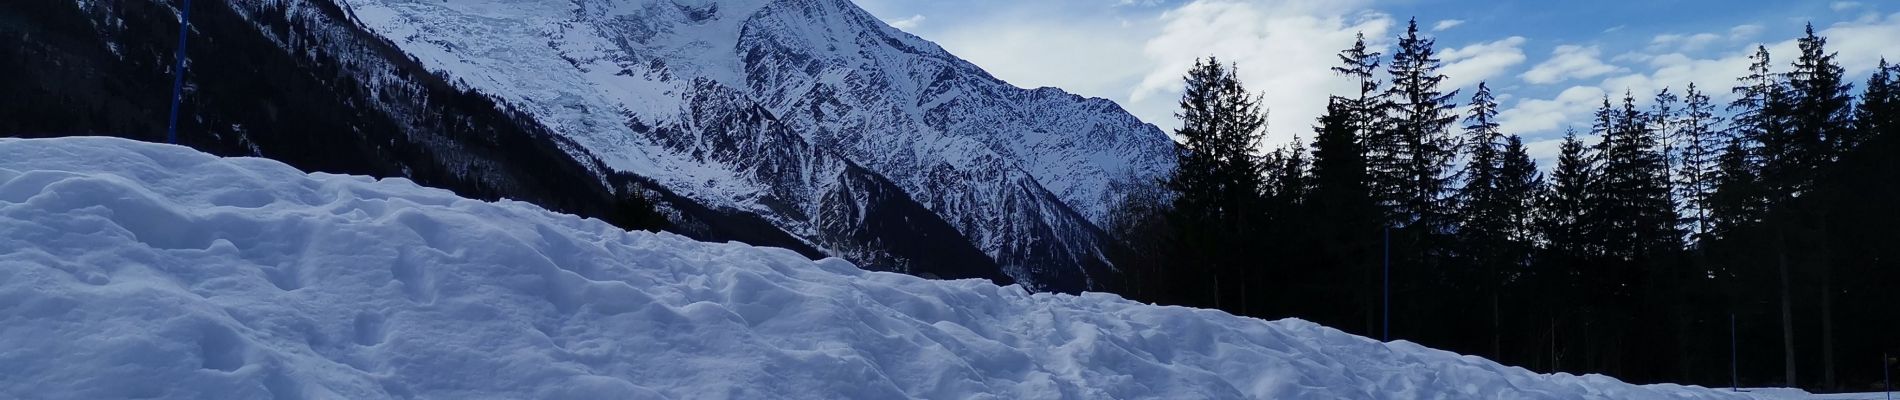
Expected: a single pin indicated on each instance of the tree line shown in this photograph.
(1663, 234)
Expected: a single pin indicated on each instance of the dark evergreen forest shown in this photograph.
(1662, 235)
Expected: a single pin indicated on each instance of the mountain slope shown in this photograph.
(134, 270)
(299, 82)
(1020, 173)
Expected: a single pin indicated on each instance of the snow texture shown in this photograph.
(133, 270)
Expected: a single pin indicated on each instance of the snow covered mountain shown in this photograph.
(804, 124)
(135, 270)
(758, 104)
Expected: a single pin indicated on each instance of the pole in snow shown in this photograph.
(1388, 285)
(178, 72)
(1886, 373)
(1734, 378)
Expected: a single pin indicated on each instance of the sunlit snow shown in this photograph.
(152, 271)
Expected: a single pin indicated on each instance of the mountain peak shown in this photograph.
(1007, 167)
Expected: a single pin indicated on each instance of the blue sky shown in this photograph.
(1550, 61)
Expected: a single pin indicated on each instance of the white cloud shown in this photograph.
(1844, 5)
(1686, 43)
(1538, 115)
(1284, 48)
(1441, 26)
(1862, 43)
(1691, 43)
(907, 23)
(1744, 32)
(1545, 151)
(1569, 62)
(1081, 46)
(1859, 45)
(1466, 66)
(1091, 57)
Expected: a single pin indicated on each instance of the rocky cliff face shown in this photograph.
(800, 123)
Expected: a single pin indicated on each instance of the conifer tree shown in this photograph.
(1697, 145)
(1287, 175)
(1820, 112)
(1758, 114)
(1423, 147)
(1762, 118)
(1347, 219)
(1665, 119)
(1217, 182)
(1521, 186)
(1339, 167)
(1482, 207)
(1365, 116)
(1567, 222)
(1878, 112)
(1635, 190)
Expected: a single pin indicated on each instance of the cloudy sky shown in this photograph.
(1550, 61)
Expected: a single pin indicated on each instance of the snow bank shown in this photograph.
(152, 271)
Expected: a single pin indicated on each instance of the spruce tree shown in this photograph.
(1879, 110)
(1347, 220)
(1478, 200)
(1482, 211)
(1521, 186)
(1635, 187)
(1738, 202)
(1697, 145)
(1423, 149)
(1217, 182)
(1339, 166)
(1762, 110)
(1820, 113)
(1762, 118)
(1665, 119)
(1287, 176)
(1568, 224)
(1416, 154)
(1365, 116)
(1759, 116)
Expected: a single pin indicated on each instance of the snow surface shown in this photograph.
(133, 270)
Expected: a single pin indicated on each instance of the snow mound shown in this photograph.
(132, 270)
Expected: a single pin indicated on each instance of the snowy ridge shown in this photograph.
(1023, 174)
(152, 271)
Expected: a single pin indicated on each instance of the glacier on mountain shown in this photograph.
(703, 96)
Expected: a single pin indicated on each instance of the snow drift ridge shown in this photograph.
(152, 271)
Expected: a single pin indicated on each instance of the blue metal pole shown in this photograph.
(178, 72)
(1388, 285)
(1886, 373)
(1734, 377)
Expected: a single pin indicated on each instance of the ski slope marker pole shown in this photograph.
(178, 72)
